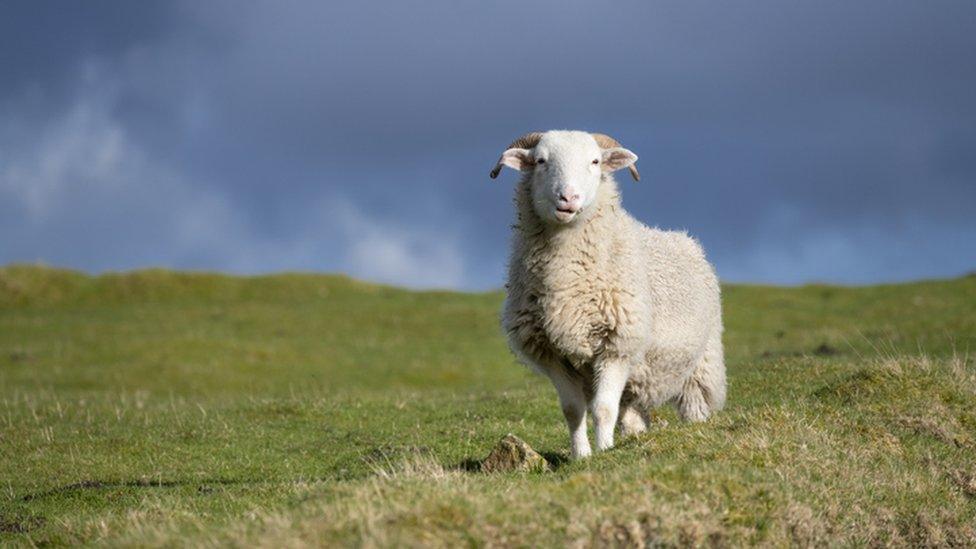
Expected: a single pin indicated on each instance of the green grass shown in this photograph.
(160, 408)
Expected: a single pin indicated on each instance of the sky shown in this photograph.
(807, 141)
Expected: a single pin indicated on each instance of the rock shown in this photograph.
(513, 454)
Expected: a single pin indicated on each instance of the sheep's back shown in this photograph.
(683, 291)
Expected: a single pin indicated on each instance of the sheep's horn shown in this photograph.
(527, 141)
(607, 142)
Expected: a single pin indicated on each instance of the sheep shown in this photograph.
(620, 317)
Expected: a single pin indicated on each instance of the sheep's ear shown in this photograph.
(517, 159)
(617, 158)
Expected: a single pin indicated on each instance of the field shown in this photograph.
(160, 408)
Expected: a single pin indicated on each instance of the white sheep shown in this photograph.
(616, 314)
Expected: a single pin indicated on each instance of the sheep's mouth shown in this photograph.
(565, 214)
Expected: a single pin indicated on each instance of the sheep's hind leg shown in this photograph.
(632, 420)
(704, 392)
(692, 405)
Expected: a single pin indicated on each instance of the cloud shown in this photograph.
(379, 251)
(814, 140)
(79, 149)
(84, 191)
(789, 242)
(83, 176)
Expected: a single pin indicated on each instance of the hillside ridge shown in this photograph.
(25, 284)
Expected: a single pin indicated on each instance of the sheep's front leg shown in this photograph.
(573, 402)
(611, 376)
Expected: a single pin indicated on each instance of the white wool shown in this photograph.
(616, 314)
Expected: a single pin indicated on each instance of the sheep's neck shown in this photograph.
(563, 257)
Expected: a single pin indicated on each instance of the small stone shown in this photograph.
(513, 454)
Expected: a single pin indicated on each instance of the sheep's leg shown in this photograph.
(573, 403)
(692, 405)
(611, 376)
(704, 392)
(632, 421)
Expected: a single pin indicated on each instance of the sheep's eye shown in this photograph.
(540, 161)
(596, 161)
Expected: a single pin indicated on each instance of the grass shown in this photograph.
(160, 408)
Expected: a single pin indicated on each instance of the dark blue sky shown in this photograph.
(800, 141)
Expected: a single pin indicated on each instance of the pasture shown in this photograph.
(162, 408)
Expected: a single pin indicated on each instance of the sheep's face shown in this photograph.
(565, 171)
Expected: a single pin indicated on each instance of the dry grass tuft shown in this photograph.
(805, 527)
(965, 480)
(419, 466)
(940, 427)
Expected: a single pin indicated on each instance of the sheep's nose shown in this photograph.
(569, 196)
(569, 200)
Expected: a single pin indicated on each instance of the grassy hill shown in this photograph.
(162, 408)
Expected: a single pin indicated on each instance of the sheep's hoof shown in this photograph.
(692, 406)
(581, 453)
(695, 414)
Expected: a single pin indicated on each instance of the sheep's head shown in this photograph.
(564, 169)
